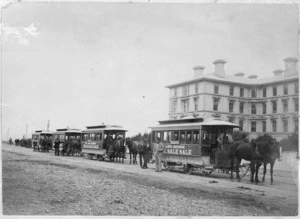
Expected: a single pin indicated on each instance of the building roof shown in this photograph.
(232, 79)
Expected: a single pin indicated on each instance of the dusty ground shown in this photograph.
(36, 183)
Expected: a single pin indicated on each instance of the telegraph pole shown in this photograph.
(48, 125)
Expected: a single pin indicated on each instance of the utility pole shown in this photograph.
(48, 125)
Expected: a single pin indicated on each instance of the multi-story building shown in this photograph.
(266, 105)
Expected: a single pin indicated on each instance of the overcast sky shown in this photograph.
(81, 64)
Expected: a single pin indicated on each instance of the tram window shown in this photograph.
(188, 137)
(78, 137)
(175, 136)
(92, 136)
(98, 136)
(196, 136)
(182, 137)
(166, 137)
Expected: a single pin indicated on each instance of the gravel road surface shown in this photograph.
(36, 183)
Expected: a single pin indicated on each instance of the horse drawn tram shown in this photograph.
(70, 140)
(192, 144)
(96, 139)
(42, 140)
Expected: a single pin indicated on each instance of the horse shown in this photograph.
(144, 152)
(241, 150)
(133, 149)
(268, 151)
(119, 150)
(75, 147)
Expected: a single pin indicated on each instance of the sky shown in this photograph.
(83, 64)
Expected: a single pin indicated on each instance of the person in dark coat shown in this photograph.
(56, 146)
(146, 156)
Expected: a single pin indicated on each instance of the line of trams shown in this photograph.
(190, 143)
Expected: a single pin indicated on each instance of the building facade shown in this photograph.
(266, 105)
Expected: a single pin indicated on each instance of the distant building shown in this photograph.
(266, 105)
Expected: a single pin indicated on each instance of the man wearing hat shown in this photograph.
(158, 153)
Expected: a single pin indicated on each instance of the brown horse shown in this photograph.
(133, 149)
(262, 150)
(119, 150)
(241, 150)
(268, 151)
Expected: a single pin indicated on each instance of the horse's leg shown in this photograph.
(271, 171)
(130, 157)
(231, 166)
(258, 164)
(237, 168)
(265, 171)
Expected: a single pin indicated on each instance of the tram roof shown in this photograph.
(67, 130)
(186, 124)
(110, 128)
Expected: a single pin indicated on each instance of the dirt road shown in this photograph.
(36, 183)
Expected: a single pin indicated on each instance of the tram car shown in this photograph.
(66, 137)
(42, 140)
(94, 140)
(192, 144)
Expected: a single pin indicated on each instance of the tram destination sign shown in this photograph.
(185, 150)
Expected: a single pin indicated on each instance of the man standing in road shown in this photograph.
(56, 146)
(158, 152)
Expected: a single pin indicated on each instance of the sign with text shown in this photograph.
(90, 145)
(185, 150)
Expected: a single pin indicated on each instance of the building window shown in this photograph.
(264, 126)
(264, 92)
(253, 93)
(241, 124)
(285, 125)
(231, 102)
(216, 89)
(253, 108)
(296, 125)
(274, 126)
(175, 92)
(264, 105)
(274, 91)
(196, 88)
(241, 107)
(274, 107)
(296, 87)
(185, 105)
(216, 103)
(231, 90)
(230, 119)
(241, 92)
(175, 106)
(296, 105)
(196, 103)
(185, 90)
(253, 126)
(285, 106)
(285, 89)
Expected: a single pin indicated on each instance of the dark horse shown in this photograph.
(244, 150)
(262, 150)
(268, 151)
(133, 149)
(119, 150)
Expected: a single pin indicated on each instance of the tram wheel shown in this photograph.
(168, 166)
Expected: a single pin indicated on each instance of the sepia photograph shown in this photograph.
(149, 108)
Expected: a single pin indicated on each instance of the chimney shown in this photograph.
(277, 72)
(198, 71)
(239, 74)
(219, 68)
(290, 66)
(252, 76)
